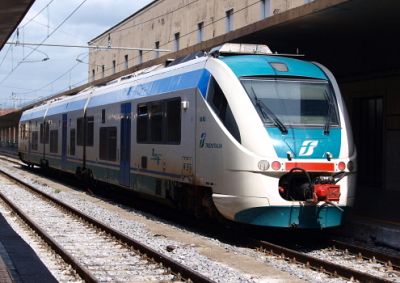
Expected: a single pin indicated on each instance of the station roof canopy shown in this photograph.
(11, 14)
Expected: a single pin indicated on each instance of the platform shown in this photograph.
(376, 230)
(20, 261)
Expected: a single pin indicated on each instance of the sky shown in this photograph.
(24, 78)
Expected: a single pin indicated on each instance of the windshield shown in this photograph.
(292, 102)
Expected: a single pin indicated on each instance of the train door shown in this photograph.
(64, 141)
(125, 146)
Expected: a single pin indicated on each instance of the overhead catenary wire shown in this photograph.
(187, 34)
(166, 43)
(86, 46)
(37, 14)
(53, 81)
(146, 52)
(47, 37)
(24, 25)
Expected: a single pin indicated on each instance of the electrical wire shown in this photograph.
(152, 19)
(24, 25)
(34, 17)
(47, 37)
(53, 81)
(135, 57)
(189, 33)
(8, 50)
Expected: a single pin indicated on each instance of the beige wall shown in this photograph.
(164, 18)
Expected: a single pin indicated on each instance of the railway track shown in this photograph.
(341, 249)
(334, 269)
(97, 252)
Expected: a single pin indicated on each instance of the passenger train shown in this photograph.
(256, 137)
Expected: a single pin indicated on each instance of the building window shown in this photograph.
(126, 61)
(157, 46)
(103, 69)
(72, 142)
(265, 8)
(93, 75)
(159, 122)
(176, 42)
(35, 139)
(108, 143)
(54, 141)
(200, 32)
(113, 67)
(140, 58)
(229, 20)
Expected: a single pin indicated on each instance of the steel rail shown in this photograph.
(316, 263)
(387, 259)
(67, 257)
(175, 266)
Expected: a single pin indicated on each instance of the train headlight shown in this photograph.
(263, 165)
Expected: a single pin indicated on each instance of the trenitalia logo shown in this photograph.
(307, 148)
(202, 139)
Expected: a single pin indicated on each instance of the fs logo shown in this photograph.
(202, 139)
(307, 148)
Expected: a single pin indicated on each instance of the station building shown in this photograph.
(175, 25)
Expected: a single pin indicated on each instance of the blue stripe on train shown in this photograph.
(191, 80)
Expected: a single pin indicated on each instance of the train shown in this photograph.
(240, 132)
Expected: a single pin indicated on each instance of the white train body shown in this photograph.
(198, 126)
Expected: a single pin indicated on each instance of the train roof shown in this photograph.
(161, 79)
(267, 65)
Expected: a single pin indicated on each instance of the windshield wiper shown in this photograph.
(329, 115)
(268, 114)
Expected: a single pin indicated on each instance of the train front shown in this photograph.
(299, 171)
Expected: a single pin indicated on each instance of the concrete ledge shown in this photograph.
(371, 230)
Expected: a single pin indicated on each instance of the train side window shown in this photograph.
(159, 122)
(41, 133)
(103, 116)
(143, 117)
(156, 122)
(46, 132)
(79, 126)
(54, 141)
(35, 139)
(90, 130)
(173, 122)
(218, 102)
(72, 142)
(108, 143)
